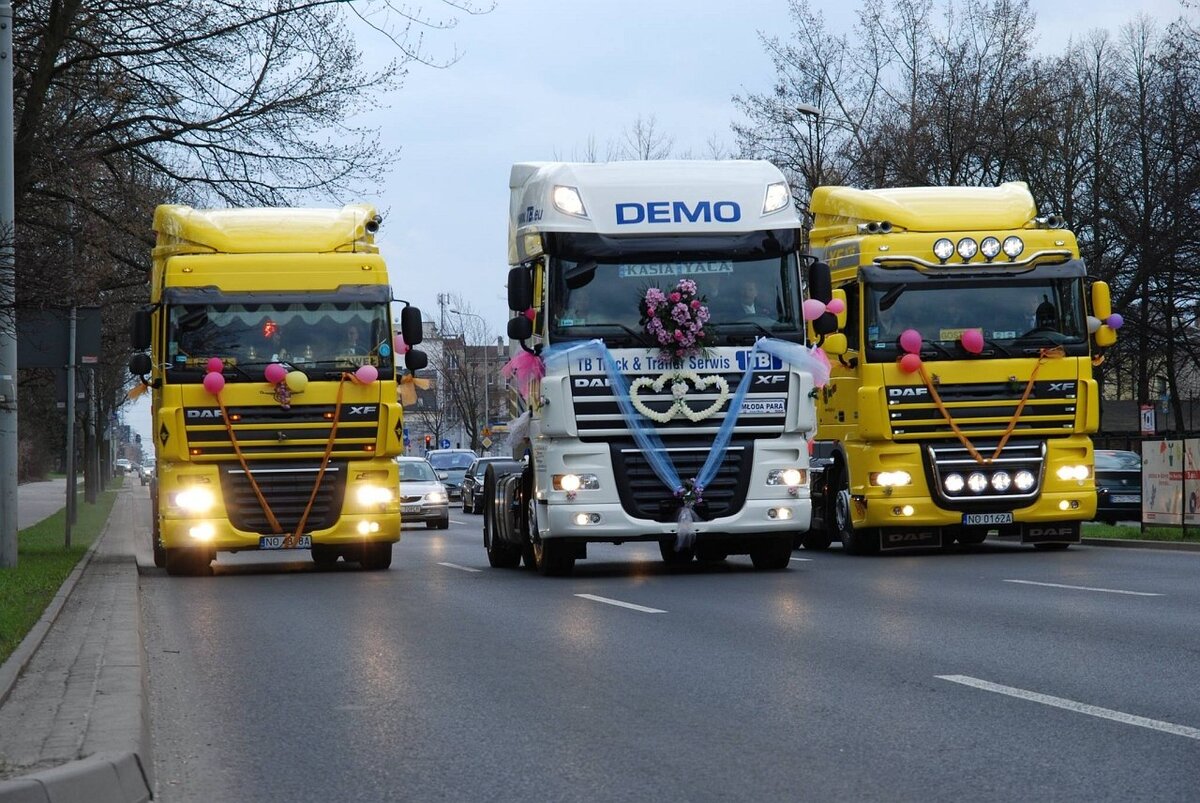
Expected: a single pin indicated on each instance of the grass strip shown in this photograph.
(1152, 533)
(43, 563)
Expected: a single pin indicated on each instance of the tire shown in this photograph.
(671, 557)
(444, 524)
(188, 562)
(815, 540)
(376, 557)
(500, 556)
(1051, 547)
(431, 525)
(324, 555)
(551, 558)
(854, 542)
(773, 556)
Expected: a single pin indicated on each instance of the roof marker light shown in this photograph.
(566, 199)
(777, 197)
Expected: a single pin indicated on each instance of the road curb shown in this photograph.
(121, 769)
(1133, 543)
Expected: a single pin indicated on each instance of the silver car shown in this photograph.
(422, 496)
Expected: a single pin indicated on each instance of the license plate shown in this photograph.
(276, 542)
(984, 519)
(764, 406)
(410, 508)
(1127, 499)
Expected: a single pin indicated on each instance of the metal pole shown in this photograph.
(71, 428)
(8, 302)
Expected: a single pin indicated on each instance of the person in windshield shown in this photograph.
(748, 300)
(354, 343)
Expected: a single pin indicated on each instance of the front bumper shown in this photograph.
(559, 520)
(225, 537)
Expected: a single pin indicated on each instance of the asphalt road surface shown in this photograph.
(999, 673)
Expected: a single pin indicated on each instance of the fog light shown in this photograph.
(977, 482)
(1024, 480)
(779, 513)
(364, 527)
(907, 510)
(990, 247)
(967, 248)
(953, 483)
(1013, 246)
(943, 249)
(203, 532)
(1064, 505)
(1001, 481)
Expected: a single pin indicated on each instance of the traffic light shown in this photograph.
(428, 442)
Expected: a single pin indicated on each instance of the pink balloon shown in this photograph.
(836, 306)
(910, 341)
(813, 309)
(972, 340)
(531, 313)
(401, 346)
(213, 382)
(366, 374)
(1115, 321)
(910, 363)
(275, 373)
(216, 364)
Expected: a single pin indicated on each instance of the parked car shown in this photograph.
(472, 484)
(123, 465)
(146, 473)
(451, 466)
(422, 496)
(1118, 486)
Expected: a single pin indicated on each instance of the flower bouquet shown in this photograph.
(675, 320)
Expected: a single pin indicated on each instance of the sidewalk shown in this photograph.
(74, 723)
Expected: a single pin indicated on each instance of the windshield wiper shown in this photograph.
(940, 348)
(989, 342)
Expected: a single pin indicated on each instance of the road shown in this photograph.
(997, 674)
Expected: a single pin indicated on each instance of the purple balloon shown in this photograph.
(275, 373)
(910, 341)
(214, 382)
(1115, 321)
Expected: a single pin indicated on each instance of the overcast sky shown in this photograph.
(538, 78)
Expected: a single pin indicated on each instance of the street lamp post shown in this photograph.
(487, 412)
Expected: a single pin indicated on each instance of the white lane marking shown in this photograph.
(1086, 588)
(460, 568)
(1079, 708)
(620, 604)
(806, 559)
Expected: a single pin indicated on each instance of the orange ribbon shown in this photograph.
(406, 391)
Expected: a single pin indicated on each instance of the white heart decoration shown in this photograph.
(678, 379)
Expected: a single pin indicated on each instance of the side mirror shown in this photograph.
(140, 365)
(520, 328)
(139, 330)
(411, 328)
(820, 282)
(1102, 308)
(520, 289)
(415, 360)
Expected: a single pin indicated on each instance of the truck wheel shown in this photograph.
(187, 561)
(671, 557)
(500, 556)
(816, 540)
(854, 541)
(773, 556)
(553, 558)
(324, 556)
(376, 557)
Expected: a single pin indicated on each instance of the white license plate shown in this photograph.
(984, 519)
(764, 406)
(410, 508)
(276, 542)
(1126, 499)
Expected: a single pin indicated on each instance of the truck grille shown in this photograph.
(644, 496)
(301, 432)
(286, 486)
(982, 409)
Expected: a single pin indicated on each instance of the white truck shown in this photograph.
(660, 364)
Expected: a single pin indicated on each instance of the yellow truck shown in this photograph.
(269, 351)
(961, 398)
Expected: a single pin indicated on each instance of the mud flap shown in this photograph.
(922, 538)
(1054, 533)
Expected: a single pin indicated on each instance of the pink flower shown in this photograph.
(695, 304)
(678, 334)
(674, 297)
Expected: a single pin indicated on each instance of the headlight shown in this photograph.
(566, 199)
(576, 482)
(1072, 472)
(1001, 481)
(373, 495)
(1023, 480)
(990, 247)
(977, 482)
(943, 249)
(890, 478)
(967, 248)
(1013, 246)
(787, 476)
(777, 197)
(195, 500)
(436, 498)
(954, 483)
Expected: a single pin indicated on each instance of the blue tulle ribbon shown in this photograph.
(647, 438)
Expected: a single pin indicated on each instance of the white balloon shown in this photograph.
(1093, 324)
